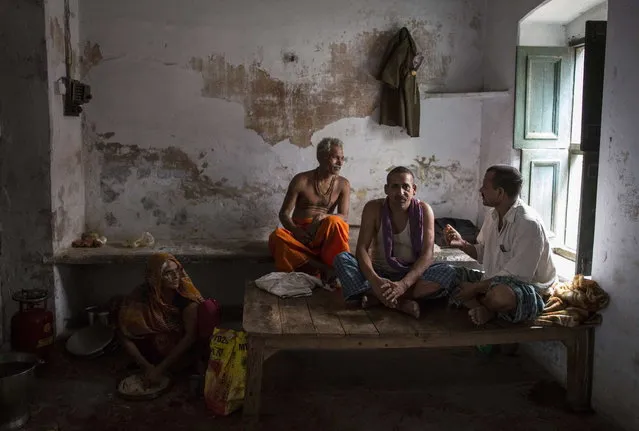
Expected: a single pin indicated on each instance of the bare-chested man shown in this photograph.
(399, 268)
(312, 235)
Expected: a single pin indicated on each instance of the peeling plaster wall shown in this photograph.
(202, 115)
(67, 179)
(25, 188)
(615, 262)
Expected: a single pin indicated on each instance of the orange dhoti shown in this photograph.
(330, 240)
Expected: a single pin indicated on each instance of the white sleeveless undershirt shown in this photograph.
(402, 248)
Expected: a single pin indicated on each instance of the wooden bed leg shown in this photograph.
(255, 360)
(580, 351)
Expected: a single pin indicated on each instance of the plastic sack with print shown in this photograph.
(225, 380)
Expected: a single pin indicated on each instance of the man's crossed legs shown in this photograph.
(503, 297)
(434, 283)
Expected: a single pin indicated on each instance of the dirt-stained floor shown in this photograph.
(452, 390)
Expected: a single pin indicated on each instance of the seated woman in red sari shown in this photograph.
(166, 318)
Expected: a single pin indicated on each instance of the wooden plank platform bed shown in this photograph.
(322, 321)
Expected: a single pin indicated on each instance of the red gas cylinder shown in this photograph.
(32, 326)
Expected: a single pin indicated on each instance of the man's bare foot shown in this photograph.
(335, 283)
(370, 300)
(424, 288)
(409, 307)
(480, 315)
(329, 278)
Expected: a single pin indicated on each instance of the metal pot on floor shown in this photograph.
(17, 381)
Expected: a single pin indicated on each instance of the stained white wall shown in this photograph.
(200, 119)
(67, 180)
(66, 166)
(615, 262)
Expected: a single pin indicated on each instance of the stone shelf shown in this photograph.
(186, 252)
(202, 252)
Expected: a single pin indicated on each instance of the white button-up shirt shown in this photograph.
(520, 250)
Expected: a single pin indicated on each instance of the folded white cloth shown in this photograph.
(288, 284)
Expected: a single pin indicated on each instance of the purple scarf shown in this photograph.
(416, 220)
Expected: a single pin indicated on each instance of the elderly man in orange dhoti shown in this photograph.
(313, 233)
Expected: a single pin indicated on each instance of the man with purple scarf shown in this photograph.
(398, 268)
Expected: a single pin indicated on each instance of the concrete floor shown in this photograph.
(455, 389)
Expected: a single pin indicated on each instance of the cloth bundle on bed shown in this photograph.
(574, 303)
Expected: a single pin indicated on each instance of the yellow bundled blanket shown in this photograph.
(575, 303)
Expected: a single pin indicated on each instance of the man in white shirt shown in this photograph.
(514, 250)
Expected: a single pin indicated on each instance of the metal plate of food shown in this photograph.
(134, 388)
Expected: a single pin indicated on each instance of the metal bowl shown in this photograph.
(17, 378)
(90, 341)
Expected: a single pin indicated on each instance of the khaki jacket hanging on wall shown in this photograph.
(399, 104)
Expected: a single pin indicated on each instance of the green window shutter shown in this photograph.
(543, 97)
(595, 57)
(545, 188)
